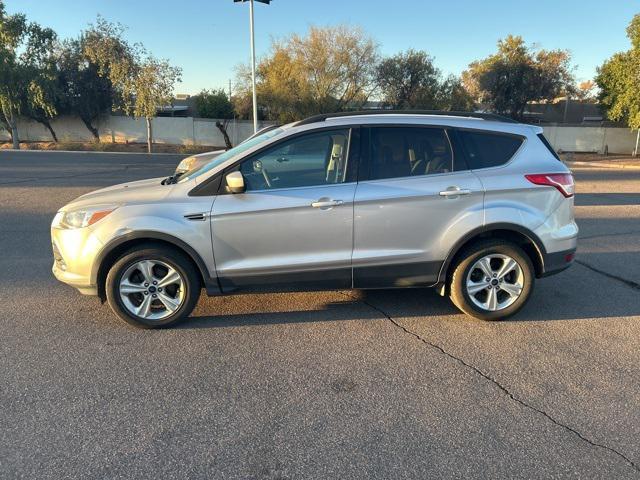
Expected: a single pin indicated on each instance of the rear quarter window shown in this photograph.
(486, 149)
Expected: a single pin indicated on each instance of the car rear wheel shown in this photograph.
(153, 287)
(492, 280)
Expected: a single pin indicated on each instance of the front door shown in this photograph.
(293, 226)
(414, 195)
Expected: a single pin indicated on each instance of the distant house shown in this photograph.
(183, 105)
(577, 112)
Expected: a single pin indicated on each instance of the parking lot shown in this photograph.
(376, 384)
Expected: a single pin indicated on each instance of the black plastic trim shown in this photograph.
(401, 275)
(331, 279)
(535, 240)
(211, 284)
(556, 262)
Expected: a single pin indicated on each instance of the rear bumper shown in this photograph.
(556, 262)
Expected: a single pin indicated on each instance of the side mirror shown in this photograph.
(235, 182)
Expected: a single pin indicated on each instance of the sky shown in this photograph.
(208, 38)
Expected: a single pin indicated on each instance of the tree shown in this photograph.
(41, 100)
(516, 75)
(452, 96)
(328, 70)
(140, 83)
(84, 91)
(410, 80)
(619, 81)
(585, 90)
(214, 104)
(25, 50)
(150, 87)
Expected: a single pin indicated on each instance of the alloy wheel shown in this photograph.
(152, 289)
(495, 282)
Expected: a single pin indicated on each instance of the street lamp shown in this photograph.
(253, 59)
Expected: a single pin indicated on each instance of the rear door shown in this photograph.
(413, 195)
(293, 227)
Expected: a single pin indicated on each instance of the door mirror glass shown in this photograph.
(235, 182)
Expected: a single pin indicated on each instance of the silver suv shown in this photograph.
(474, 205)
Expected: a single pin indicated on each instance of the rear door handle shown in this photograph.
(454, 192)
(326, 203)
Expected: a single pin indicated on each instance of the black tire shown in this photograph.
(169, 256)
(466, 260)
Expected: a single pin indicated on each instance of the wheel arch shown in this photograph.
(118, 246)
(525, 238)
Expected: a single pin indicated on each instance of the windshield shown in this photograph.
(222, 158)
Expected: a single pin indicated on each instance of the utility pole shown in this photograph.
(566, 108)
(253, 69)
(253, 59)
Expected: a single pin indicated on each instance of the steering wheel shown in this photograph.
(267, 178)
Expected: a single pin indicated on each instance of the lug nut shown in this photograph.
(154, 295)
(146, 293)
(155, 283)
(146, 284)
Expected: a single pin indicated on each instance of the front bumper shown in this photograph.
(74, 252)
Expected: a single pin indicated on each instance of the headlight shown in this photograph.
(186, 164)
(81, 218)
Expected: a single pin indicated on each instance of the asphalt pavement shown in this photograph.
(348, 384)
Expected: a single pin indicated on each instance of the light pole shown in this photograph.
(253, 60)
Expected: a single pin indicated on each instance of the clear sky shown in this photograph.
(207, 38)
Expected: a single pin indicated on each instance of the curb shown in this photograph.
(85, 152)
(602, 165)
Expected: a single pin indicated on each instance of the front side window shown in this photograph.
(409, 151)
(308, 160)
(486, 149)
(237, 150)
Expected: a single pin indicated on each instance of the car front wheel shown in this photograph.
(492, 280)
(153, 287)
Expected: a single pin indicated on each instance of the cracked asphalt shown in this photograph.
(350, 384)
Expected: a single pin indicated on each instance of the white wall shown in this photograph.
(591, 139)
(172, 130)
(200, 131)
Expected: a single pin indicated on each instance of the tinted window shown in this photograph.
(409, 151)
(308, 160)
(488, 149)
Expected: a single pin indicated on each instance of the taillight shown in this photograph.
(562, 181)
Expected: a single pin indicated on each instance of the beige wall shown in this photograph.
(591, 139)
(173, 130)
(200, 131)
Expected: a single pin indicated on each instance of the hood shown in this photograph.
(141, 191)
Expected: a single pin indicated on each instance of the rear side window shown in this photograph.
(544, 140)
(486, 149)
(409, 152)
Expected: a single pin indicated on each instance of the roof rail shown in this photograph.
(484, 116)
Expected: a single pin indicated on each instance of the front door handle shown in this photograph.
(326, 203)
(454, 192)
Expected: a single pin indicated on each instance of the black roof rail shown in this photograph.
(484, 116)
